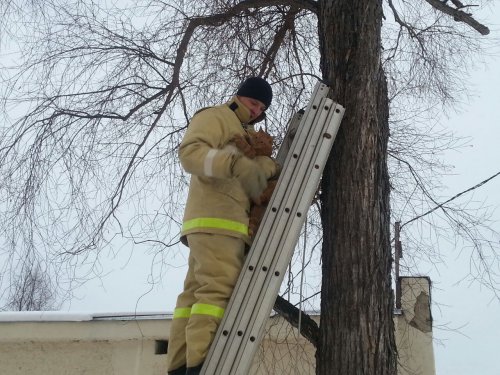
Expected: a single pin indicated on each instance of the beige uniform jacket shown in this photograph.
(216, 201)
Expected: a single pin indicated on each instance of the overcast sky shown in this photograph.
(466, 317)
(471, 310)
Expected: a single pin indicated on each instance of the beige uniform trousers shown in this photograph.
(215, 262)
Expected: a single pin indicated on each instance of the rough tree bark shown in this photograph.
(356, 332)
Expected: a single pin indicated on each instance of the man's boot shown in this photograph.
(179, 371)
(194, 370)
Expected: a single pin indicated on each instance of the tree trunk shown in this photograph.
(356, 333)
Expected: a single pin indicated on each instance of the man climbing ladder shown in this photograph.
(215, 225)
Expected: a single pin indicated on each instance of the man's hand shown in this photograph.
(251, 175)
(270, 167)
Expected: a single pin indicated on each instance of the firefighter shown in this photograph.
(224, 182)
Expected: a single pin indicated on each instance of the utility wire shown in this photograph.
(451, 199)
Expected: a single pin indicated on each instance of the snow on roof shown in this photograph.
(70, 316)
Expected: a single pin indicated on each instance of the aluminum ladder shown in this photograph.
(240, 332)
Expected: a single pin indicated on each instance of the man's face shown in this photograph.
(255, 106)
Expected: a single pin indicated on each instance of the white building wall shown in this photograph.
(35, 343)
(106, 347)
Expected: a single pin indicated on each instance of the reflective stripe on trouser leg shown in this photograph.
(218, 262)
(176, 354)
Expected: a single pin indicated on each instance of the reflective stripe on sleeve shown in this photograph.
(182, 312)
(204, 309)
(212, 222)
(208, 164)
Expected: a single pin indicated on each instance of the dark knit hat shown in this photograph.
(256, 88)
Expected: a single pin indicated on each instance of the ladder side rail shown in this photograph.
(301, 194)
(265, 304)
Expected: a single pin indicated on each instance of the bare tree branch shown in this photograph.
(459, 15)
(309, 328)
